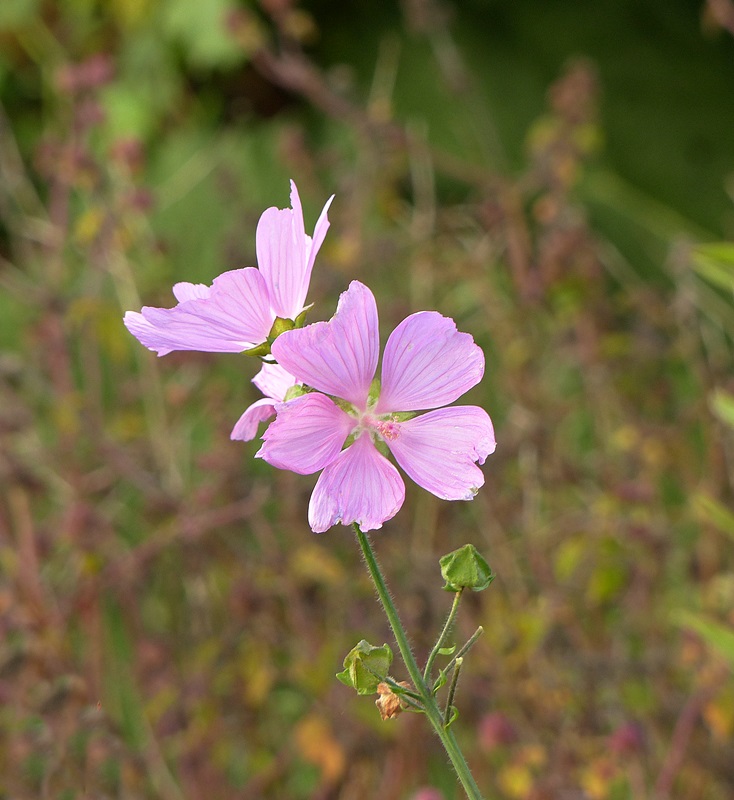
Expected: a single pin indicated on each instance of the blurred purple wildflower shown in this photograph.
(238, 311)
(427, 364)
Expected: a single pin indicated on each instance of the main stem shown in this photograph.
(429, 701)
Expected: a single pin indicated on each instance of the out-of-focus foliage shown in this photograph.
(552, 175)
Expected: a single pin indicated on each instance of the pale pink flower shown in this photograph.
(239, 309)
(427, 363)
(274, 382)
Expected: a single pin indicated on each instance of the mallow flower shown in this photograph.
(238, 310)
(274, 382)
(342, 426)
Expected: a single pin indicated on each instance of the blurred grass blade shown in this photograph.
(711, 511)
(720, 637)
(722, 404)
(715, 263)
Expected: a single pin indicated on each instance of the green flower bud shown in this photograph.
(465, 569)
(365, 667)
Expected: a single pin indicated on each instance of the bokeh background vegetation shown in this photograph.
(556, 176)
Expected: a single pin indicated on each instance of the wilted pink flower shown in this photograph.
(239, 309)
(273, 381)
(427, 364)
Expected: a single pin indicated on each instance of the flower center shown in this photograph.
(385, 427)
(388, 429)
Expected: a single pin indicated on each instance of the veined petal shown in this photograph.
(360, 486)
(190, 291)
(427, 364)
(274, 381)
(281, 257)
(285, 255)
(233, 316)
(245, 428)
(338, 357)
(438, 450)
(307, 435)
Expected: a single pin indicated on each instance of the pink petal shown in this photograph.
(438, 450)
(307, 435)
(338, 357)
(427, 364)
(285, 255)
(245, 428)
(233, 317)
(360, 486)
(274, 381)
(319, 233)
(190, 291)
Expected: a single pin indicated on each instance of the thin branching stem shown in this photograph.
(442, 637)
(432, 711)
(465, 649)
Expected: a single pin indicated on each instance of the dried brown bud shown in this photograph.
(389, 703)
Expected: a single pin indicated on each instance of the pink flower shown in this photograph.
(239, 309)
(273, 381)
(427, 364)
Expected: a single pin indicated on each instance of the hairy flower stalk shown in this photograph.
(430, 706)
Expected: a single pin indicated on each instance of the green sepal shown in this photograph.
(403, 416)
(381, 446)
(465, 569)
(374, 393)
(365, 667)
(294, 391)
(280, 325)
(301, 318)
(259, 350)
(447, 651)
(345, 405)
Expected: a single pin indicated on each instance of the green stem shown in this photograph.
(465, 649)
(429, 701)
(442, 638)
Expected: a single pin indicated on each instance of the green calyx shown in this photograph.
(365, 667)
(281, 325)
(465, 568)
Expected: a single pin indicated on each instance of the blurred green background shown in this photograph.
(558, 177)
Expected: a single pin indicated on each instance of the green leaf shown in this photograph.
(440, 681)
(453, 715)
(465, 569)
(447, 651)
(365, 667)
(719, 636)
